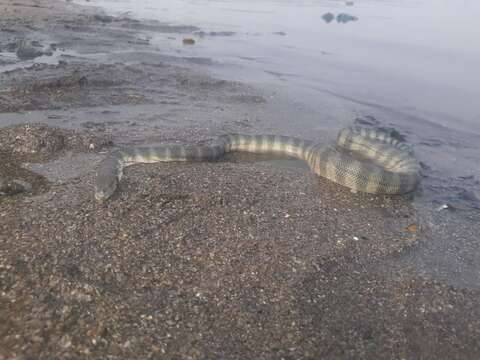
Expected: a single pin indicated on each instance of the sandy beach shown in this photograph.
(246, 258)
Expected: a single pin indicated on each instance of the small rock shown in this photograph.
(443, 207)
(328, 17)
(344, 18)
(103, 18)
(54, 116)
(412, 228)
(188, 41)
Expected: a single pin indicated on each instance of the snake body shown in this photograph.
(364, 160)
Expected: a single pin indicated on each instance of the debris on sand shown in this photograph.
(412, 228)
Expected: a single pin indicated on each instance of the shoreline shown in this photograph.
(235, 259)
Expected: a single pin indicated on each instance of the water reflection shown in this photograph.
(341, 18)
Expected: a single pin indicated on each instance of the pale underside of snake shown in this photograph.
(364, 160)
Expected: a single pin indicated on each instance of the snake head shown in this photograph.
(105, 185)
(108, 175)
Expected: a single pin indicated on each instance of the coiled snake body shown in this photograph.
(364, 160)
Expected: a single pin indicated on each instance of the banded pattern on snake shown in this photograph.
(364, 160)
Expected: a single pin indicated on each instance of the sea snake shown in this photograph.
(364, 160)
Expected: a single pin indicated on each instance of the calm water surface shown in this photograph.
(417, 56)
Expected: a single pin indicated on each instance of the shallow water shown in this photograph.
(407, 64)
(416, 56)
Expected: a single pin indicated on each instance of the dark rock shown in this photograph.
(328, 17)
(344, 18)
(103, 18)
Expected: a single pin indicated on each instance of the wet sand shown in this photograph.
(234, 259)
